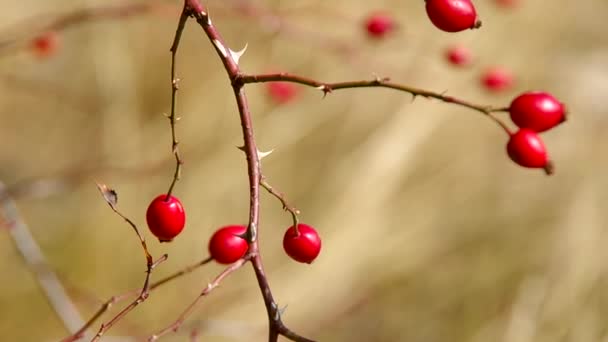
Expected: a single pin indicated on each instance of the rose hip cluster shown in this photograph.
(533, 112)
(166, 219)
(229, 244)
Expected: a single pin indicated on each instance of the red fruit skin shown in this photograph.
(303, 247)
(45, 45)
(379, 25)
(459, 56)
(452, 15)
(497, 79)
(282, 92)
(538, 111)
(226, 245)
(165, 218)
(526, 149)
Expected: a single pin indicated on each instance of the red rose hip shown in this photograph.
(303, 245)
(281, 92)
(227, 244)
(166, 217)
(46, 44)
(497, 79)
(459, 56)
(526, 149)
(452, 15)
(538, 111)
(379, 25)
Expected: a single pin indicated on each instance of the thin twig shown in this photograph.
(326, 88)
(36, 262)
(174, 88)
(145, 291)
(281, 197)
(210, 287)
(118, 298)
(11, 37)
(111, 198)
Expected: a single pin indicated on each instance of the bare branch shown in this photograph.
(281, 197)
(115, 299)
(210, 287)
(327, 88)
(36, 262)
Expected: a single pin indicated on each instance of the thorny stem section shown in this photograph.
(327, 88)
(229, 59)
(118, 298)
(210, 287)
(281, 197)
(174, 88)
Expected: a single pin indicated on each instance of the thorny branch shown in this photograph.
(230, 60)
(327, 88)
(174, 88)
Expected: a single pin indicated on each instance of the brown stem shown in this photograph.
(174, 88)
(111, 198)
(210, 287)
(281, 197)
(145, 292)
(326, 88)
(230, 62)
(115, 299)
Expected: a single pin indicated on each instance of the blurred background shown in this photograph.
(430, 233)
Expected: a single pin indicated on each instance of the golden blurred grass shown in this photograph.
(430, 233)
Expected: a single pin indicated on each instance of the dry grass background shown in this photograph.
(430, 233)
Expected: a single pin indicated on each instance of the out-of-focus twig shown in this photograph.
(36, 262)
(12, 37)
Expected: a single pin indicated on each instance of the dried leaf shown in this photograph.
(109, 195)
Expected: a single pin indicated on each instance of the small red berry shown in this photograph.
(227, 244)
(303, 245)
(459, 56)
(452, 15)
(507, 3)
(282, 92)
(538, 111)
(166, 217)
(378, 25)
(497, 79)
(46, 44)
(526, 149)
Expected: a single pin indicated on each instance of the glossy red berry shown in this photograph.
(281, 92)
(497, 79)
(166, 217)
(459, 56)
(46, 44)
(378, 25)
(526, 149)
(227, 244)
(452, 15)
(303, 245)
(538, 111)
